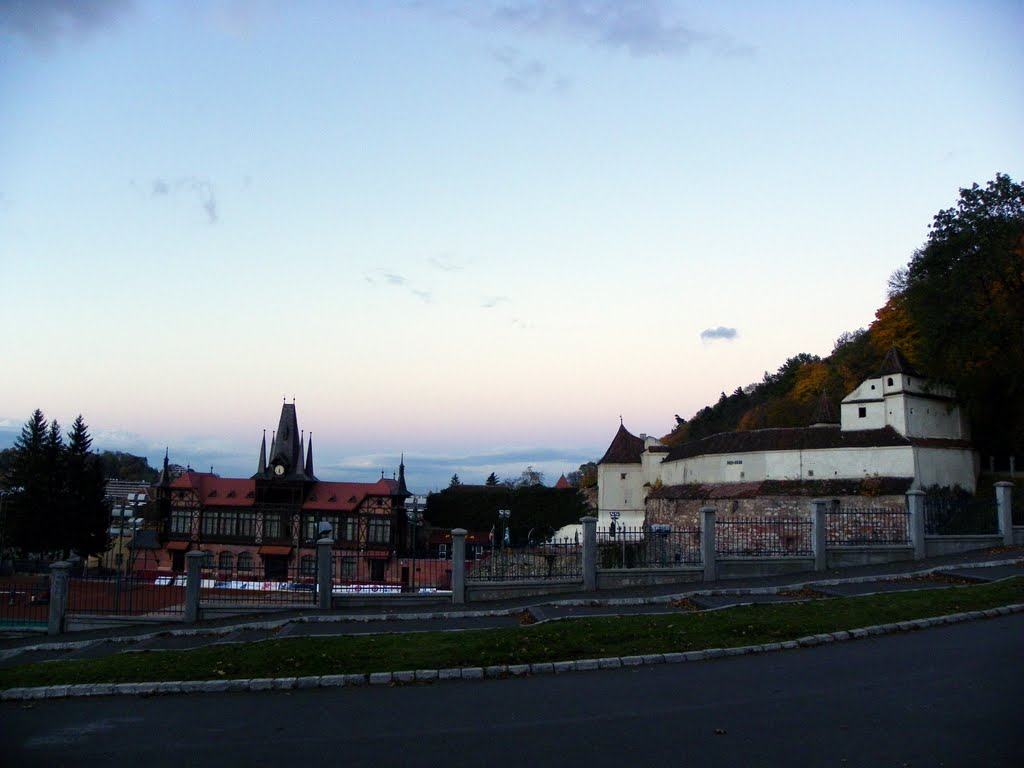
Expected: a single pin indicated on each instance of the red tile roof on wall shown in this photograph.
(877, 486)
(626, 448)
(800, 438)
(562, 482)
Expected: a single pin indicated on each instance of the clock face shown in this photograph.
(279, 470)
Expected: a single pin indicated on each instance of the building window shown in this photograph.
(622, 476)
(208, 559)
(225, 561)
(245, 562)
(810, 473)
(862, 412)
(442, 551)
(308, 565)
(349, 568)
(377, 569)
(378, 530)
(272, 527)
(889, 381)
(181, 521)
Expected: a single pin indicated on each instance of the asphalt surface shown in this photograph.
(948, 696)
(966, 568)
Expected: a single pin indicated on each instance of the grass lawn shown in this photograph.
(554, 641)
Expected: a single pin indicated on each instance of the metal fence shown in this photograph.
(556, 560)
(622, 547)
(24, 602)
(293, 584)
(763, 537)
(852, 526)
(959, 516)
(133, 594)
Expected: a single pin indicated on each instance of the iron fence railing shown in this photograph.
(959, 516)
(763, 537)
(24, 602)
(852, 526)
(556, 560)
(132, 594)
(647, 547)
(283, 584)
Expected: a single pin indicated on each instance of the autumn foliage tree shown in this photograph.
(963, 291)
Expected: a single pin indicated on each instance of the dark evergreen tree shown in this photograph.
(492, 479)
(454, 481)
(30, 481)
(87, 513)
(57, 491)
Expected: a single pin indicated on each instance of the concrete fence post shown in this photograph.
(193, 581)
(820, 529)
(1004, 511)
(707, 542)
(60, 581)
(589, 553)
(324, 573)
(915, 521)
(459, 566)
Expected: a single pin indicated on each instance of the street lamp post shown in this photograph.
(612, 529)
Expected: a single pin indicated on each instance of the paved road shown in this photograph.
(949, 696)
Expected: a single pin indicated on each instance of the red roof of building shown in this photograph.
(626, 448)
(563, 483)
(214, 490)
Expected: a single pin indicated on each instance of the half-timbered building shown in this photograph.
(265, 527)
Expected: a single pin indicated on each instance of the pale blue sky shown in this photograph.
(476, 232)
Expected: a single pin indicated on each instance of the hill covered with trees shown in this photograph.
(956, 311)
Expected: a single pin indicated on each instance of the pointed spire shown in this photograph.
(402, 489)
(165, 473)
(262, 469)
(309, 458)
(825, 414)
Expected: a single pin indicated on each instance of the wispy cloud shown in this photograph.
(44, 22)
(200, 189)
(489, 302)
(524, 73)
(384, 277)
(446, 262)
(721, 333)
(642, 27)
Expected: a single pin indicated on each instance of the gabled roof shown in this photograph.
(895, 362)
(562, 482)
(800, 438)
(215, 491)
(626, 448)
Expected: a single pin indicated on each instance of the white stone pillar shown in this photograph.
(915, 506)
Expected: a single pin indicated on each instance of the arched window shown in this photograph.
(245, 562)
(225, 561)
(308, 566)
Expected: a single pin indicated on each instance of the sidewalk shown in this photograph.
(981, 566)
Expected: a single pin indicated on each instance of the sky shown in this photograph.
(474, 233)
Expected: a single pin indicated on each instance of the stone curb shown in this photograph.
(491, 672)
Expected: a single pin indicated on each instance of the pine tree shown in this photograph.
(492, 479)
(87, 515)
(30, 481)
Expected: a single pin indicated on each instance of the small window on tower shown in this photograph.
(862, 412)
(622, 476)
(889, 381)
